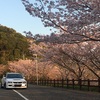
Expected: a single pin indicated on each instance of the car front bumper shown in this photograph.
(16, 85)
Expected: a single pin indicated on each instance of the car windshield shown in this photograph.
(14, 76)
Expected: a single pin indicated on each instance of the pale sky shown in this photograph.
(13, 15)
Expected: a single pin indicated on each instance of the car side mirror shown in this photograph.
(24, 77)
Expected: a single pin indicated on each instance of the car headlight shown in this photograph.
(24, 82)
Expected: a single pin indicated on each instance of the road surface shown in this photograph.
(34, 92)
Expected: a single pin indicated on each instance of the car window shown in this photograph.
(14, 76)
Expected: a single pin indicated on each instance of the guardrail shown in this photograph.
(89, 85)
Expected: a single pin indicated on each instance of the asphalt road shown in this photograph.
(46, 93)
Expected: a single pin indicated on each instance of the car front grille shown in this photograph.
(17, 85)
(17, 82)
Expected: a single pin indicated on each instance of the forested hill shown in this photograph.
(13, 45)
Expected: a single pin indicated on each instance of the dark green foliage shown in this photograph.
(13, 45)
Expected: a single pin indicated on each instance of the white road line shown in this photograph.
(20, 95)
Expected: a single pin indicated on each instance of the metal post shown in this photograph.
(36, 69)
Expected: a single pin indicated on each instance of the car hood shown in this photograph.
(15, 80)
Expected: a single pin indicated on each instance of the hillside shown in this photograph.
(13, 45)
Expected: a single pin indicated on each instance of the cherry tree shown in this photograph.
(74, 17)
(92, 55)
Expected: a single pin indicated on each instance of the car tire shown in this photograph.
(1, 85)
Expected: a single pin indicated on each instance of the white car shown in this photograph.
(13, 80)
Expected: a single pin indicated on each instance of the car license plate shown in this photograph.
(17, 84)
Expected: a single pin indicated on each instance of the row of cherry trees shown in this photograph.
(61, 61)
(78, 59)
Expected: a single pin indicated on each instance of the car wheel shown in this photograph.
(1, 85)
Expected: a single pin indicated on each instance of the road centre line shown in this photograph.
(20, 95)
